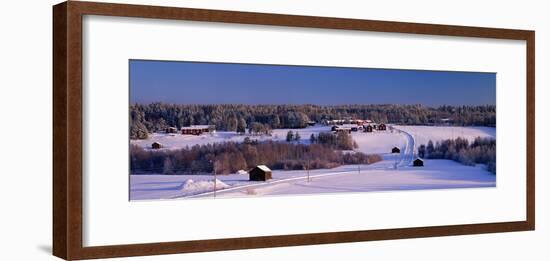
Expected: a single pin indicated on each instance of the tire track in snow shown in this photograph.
(408, 153)
(267, 184)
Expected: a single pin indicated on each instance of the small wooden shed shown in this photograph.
(156, 145)
(395, 150)
(260, 173)
(171, 130)
(382, 127)
(368, 128)
(418, 163)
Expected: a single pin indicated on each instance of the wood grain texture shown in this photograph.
(59, 247)
(531, 129)
(67, 135)
(74, 130)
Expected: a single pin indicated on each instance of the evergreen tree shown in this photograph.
(289, 136)
(312, 139)
(241, 126)
(138, 131)
(297, 136)
(257, 128)
(275, 122)
(232, 124)
(422, 151)
(430, 147)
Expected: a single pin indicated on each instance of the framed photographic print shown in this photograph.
(186, 130)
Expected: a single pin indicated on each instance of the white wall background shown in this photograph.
(25, 113)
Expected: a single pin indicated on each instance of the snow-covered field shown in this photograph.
(423, 134)
(437, 174)
(393, 173)
(380, 142)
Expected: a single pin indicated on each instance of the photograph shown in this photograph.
(271, 130)
(227, 130)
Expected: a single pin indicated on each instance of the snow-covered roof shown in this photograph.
(264, 168)
(349, 126)
(195, 127)
(345, 126)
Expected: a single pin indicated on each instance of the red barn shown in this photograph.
(195, 130)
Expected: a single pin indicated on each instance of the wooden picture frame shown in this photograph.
(68, 119)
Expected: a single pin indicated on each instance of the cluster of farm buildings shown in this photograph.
(355, 125)
(191, 130)
(347, 125)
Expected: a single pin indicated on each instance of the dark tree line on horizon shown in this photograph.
(154, 117)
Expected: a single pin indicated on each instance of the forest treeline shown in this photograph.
(148, 118)
(230, 157)
(480, 151)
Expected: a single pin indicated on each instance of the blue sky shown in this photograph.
(219, 83)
